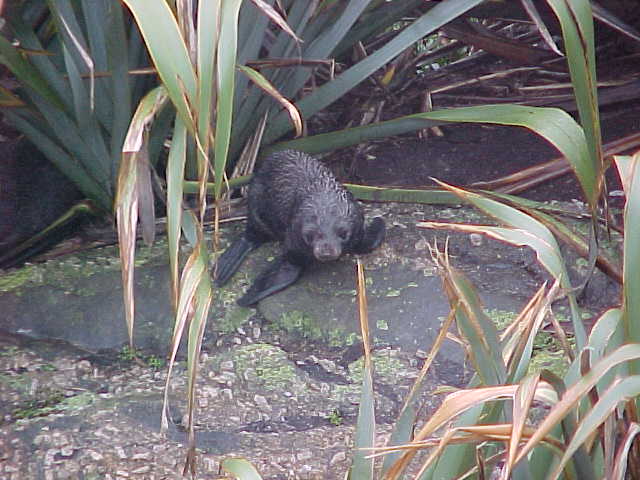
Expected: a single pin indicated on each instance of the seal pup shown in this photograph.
(295, 199)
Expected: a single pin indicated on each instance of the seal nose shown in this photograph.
(326, 252)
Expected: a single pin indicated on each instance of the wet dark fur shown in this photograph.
(295, 199)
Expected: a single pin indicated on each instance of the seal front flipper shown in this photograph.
(232, 258)
(276, 277)
(372, 237)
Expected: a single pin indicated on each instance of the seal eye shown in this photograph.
(343, 233)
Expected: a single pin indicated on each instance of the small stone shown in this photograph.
(49, 456)
(476, 239)
(261, 402)
(328, 365)
(59, 440)
(421, 244)
(210, 392)
(95, 456)
(66, 451)
(143, 469)
(227, 394)
(84, 366)
(226, 365)
(101, 434)
(338, 458)
(304, 455)
(421, 354)
(70, 471)
(227, 377)
(121, 453)
(90, 471)
(209, 464)
(147, 456)
(41, 439)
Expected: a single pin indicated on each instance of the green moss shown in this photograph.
(65, 272)
(127, 354)
(335, 417)
(338, 337)
(9, 351)
(386, 368)
(20, 383)
(548, 359)
(54, 402)
(392, 292)
(547, 351)
(155, 362)
(39, 407)
(234, 318)
(501, 318)
(300, 323)
(78, 402)
(266, 366)
(47, 367)
(15, 279)
(305, 326)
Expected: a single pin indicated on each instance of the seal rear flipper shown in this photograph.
(372, 237)
(232, 258)
(276, 277)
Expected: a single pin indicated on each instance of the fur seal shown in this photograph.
(295, 199)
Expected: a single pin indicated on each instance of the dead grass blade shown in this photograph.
(146, 204)
(134, 195)
(127, 220)
(532, 11)
(521, 406)
(521, 333)
(406, 419)
(273, 14)
(620, 391)
(575, 394)
(202, 301)
(475, 326)
(268, 88)
(523, 230)
(190, 280)
(629, 170)
(620, 462)
(608, 18)
(363, 313)
(522, 326)
(175, 189)
(453, 405)
(362, 466)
